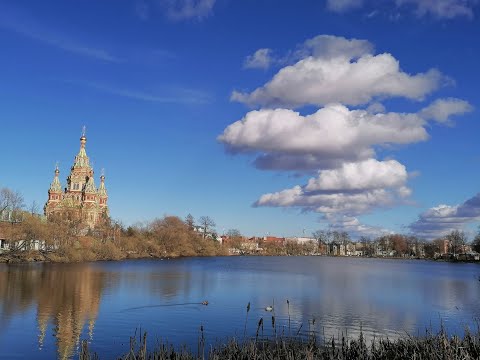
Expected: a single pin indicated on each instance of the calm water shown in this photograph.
(46, 308)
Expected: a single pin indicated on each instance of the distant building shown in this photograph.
(301, 240)
(336, 249)
(207, 234)
(444, 245)
(322, 247)
(3, 240)
(273, 240)
(360, 249)
(80, 200)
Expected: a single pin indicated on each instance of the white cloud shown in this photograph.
(188, 9)
(327, 138)
(440, 9)
(319, 81)
(261, 59)
(354, 227)
(447, 9)
(343, 5)
(353, 189)
(441, 109)
(339, 143)
(321, 46)
(347, 203)
(365, 175)
(442, 219)
(331, 47)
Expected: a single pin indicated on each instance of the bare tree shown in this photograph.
(33, 208)
(413, 246)
(476, 242)
(320, 235)
(190, 221)
(399, 244)
(235, 239)
(366, 246)
(207, 224)
(233, 233)
(383, 244)
(324, 238)
(342, 239)
(345, 238)
(431, 248)
(11, 202)
(457, 241)
(5, 195)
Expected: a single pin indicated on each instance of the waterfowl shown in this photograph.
(269, 308)
(205, 302)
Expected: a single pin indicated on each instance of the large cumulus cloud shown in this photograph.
(442, 219)
(332, 135)
(365, 175)
(353, 189)
(338, 143)
(334, 69)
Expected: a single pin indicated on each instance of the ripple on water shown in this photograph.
(109, 302)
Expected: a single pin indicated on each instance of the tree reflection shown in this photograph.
(67, 297)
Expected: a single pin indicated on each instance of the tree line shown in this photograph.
(68, 240)
(171, 236)
(454, 243)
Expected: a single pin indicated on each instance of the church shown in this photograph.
(80, 200)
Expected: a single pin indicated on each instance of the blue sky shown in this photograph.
(277, 117)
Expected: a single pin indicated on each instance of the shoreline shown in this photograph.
(28, 257)
(34, 256)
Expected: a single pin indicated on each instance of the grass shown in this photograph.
(437, 346)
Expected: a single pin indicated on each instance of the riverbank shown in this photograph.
(431, 346)
(63, 242)
(32, 256)
(109, 254)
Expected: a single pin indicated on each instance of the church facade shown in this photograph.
(80, 200)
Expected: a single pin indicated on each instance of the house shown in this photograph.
(274, 240)
(3, 239)
(3, 245)
(249, 246)
(444, 245)
(208, 234)
(241, 245)
(350, 249)
(22, 245)
(322, 248)
(301, 240)
(469, 256)
(337, 249)
(360, 249)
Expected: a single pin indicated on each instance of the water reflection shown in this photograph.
(66, 297)
(107, 301)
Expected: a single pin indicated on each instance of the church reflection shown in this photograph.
(67, 300)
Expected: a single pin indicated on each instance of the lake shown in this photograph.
(47, 309)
